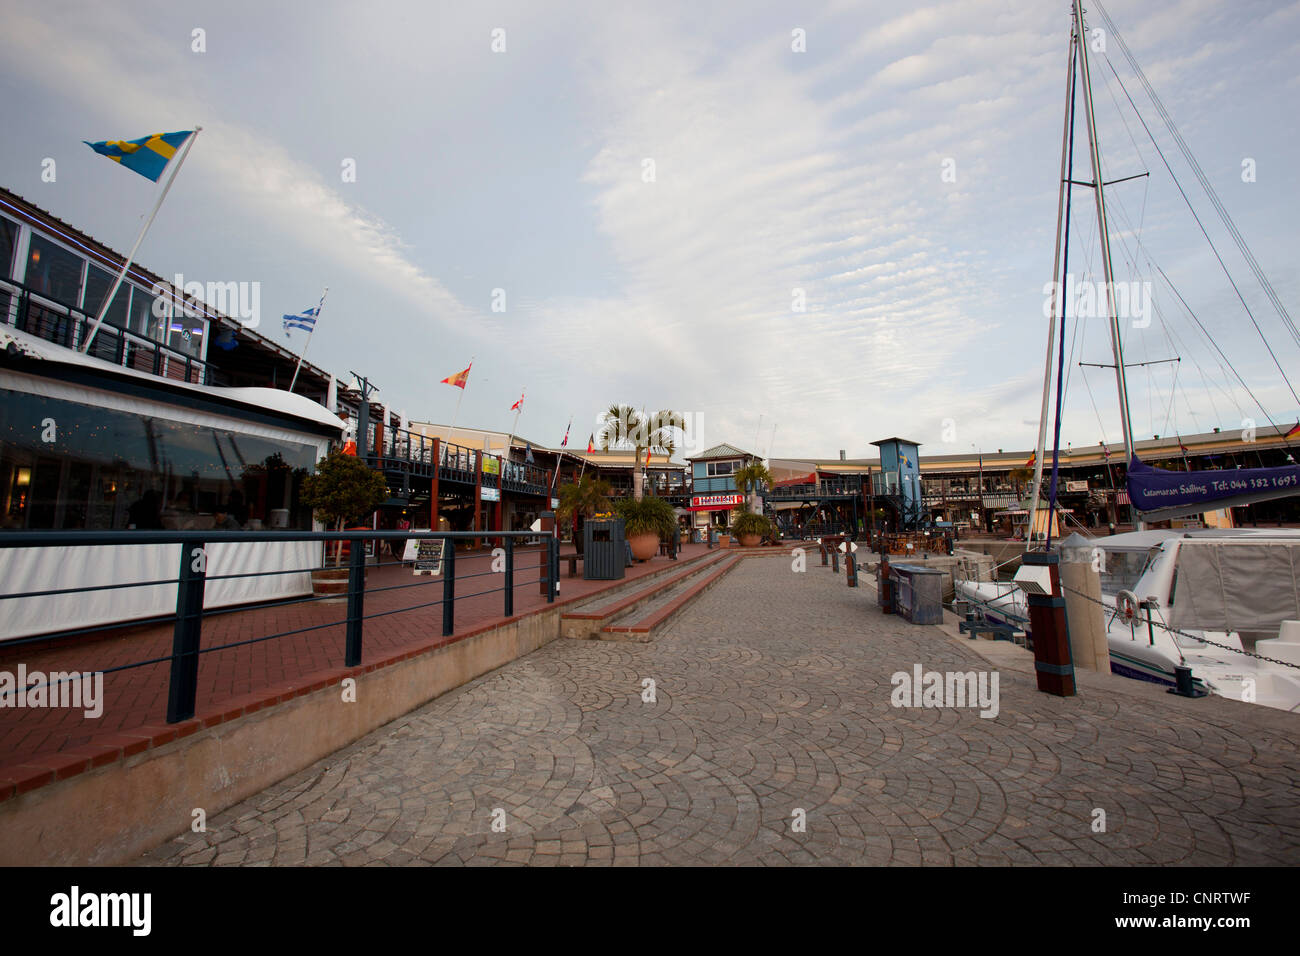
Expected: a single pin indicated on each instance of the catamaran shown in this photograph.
(1225, 602)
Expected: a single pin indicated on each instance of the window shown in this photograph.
(8, 239)
(722, 467)
(54, 272)
(98, 282)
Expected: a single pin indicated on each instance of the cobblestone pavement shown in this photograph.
(773, 697)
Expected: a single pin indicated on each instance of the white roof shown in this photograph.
(268, 399)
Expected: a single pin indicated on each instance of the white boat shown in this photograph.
(1150, 632)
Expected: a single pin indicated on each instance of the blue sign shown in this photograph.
(1158, 493)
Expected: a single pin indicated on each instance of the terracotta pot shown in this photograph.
(750, 540)
(644, 546)
(724, 541)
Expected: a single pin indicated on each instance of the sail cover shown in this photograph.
(1247, 584)
(1161, 494)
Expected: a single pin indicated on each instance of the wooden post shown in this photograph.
(1052, 661)
(501, 494)
(543, 579)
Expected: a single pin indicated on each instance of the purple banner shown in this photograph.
(1161, 494)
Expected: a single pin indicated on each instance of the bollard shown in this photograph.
(1052, 661)
(851, 570)
(182, 689)
(1184, 686)
(822, 544)
(835, 560)
(885, 583)
(356, 604)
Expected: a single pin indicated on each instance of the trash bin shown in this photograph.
(604, 550)
(918, 593)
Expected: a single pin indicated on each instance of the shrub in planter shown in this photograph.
(344, 489)
(585, 498)
(749, 529)
(645, 523)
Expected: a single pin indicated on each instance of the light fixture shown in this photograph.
(24, 477)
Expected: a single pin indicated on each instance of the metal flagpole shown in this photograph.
(559, 461)
(1057, 293)
(130, 256)
(319, 309)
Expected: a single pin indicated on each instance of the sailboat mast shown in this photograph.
(1057, 291)
(1099, 189)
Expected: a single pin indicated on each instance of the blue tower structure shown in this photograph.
(899, 481)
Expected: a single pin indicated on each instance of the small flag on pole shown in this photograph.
(565, 443)
(305, 320)
(591, 443)
(528, 453)
(1032, 459)
(515, 407)
(647, 457)
(1294, 432)
(459, 379)
(148, 155)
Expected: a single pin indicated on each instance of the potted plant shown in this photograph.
(749, 528)
(584, 498)
(343, 489)
(646, 522)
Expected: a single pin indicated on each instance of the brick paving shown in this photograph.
(773, 696)
(138, 697)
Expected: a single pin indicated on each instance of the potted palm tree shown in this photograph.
(343, 489)
(646, 522)
(622, 426)
(584, 498)
(752, 479)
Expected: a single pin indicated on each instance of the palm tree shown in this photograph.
(622, 426)
(1018, 477)
(753, 477)
(581, 499)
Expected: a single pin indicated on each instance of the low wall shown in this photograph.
(112, 814)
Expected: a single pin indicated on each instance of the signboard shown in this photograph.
(1076, 486)
(491, 466)
(718, 501)
(490, 494)
(555, 503)
(428, 556)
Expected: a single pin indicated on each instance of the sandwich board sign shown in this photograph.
(429, 555)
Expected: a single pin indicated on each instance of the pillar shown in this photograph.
(1052, 661)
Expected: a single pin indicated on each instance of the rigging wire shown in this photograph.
(1223, 214)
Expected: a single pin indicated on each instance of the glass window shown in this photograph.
(187, 335)
(53, 271)
(113, 470)
(8, 239)
(144, 320)
(98, 282)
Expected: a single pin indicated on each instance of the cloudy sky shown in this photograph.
(657, 189)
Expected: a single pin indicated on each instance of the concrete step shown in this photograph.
(642, 625)
(586, 621)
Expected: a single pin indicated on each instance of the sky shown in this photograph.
(804, 226)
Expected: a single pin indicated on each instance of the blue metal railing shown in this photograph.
(192, 577)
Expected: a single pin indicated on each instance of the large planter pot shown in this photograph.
(644, 546)
(331, 584)
(724, 541)
(750, 540)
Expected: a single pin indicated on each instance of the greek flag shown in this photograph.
(305, 320)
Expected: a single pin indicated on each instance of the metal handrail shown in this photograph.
(192, 577)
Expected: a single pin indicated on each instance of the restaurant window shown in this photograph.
(8, 239)
(722, 467)
(54, 272)
(98, 282)
(144, 319)
(110, 469)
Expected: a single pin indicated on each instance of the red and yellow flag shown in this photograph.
(1032, 459)
(647, 457)
(1294, 432)
(459, 379)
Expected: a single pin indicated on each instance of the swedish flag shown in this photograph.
(148, 155)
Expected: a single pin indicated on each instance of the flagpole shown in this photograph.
(515, 424)
(319, 309)
(560, 461)
(130, 257)
(456, 414)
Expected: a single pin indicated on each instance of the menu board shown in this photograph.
(428, 556)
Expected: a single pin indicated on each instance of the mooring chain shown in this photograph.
(1193, 637)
